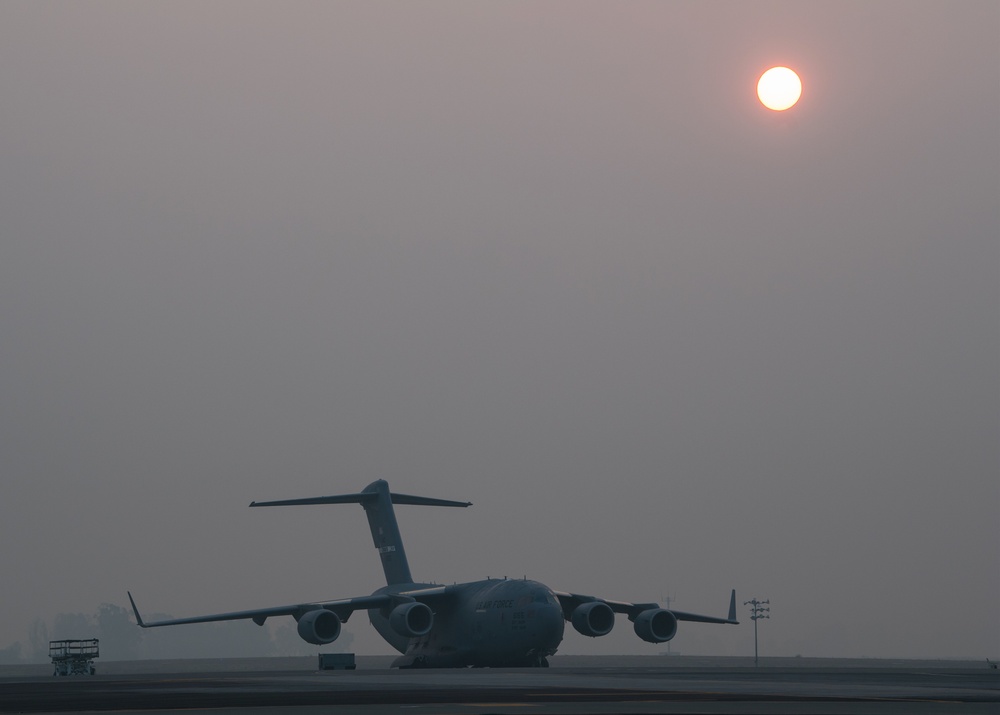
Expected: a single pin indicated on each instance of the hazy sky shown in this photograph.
(550, 257)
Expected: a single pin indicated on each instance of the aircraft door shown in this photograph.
(479, 626)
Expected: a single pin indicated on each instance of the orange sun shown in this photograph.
(779, 88)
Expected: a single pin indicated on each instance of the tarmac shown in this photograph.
(589, 685)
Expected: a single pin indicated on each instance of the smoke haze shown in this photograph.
(552, 258)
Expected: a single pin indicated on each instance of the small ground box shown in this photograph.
(74, 657)
(336, 661)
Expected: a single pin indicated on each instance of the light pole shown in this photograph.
(757, 611)
(668, 599)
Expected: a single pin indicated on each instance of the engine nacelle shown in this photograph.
(411, 620)
(657, 625)
(593, 619)
(319, 627)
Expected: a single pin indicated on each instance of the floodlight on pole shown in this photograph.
(758, 609)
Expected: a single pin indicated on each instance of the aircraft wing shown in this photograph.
(343, 608)
(569, 601)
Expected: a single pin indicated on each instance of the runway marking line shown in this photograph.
(502, 705)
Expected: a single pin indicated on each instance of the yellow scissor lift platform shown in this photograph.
(74, 657)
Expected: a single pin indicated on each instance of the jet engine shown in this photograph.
(319, 627)
(593, 619)
(657, 625)
(411, 620)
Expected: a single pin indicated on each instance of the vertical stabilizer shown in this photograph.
(377, 501)
(385, 533)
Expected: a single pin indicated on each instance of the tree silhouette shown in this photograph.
(11, 655)
(38, 641)
(120, 639)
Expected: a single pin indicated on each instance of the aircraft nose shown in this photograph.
(550, 623)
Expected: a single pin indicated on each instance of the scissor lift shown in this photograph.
(74, 657)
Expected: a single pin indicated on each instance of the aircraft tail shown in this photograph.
(377, 501)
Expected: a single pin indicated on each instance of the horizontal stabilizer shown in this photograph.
(339, 499)
(362, 498)
(425, 501)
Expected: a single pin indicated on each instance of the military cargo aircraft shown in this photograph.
(491, 623)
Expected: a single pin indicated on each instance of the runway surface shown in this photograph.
(573, 685)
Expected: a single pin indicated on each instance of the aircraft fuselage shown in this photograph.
(491, 623)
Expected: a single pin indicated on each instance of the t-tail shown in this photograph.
(377, 501)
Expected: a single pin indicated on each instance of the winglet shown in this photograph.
(732, 608)
(138, 618)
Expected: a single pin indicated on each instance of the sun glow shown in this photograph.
(779, 88)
